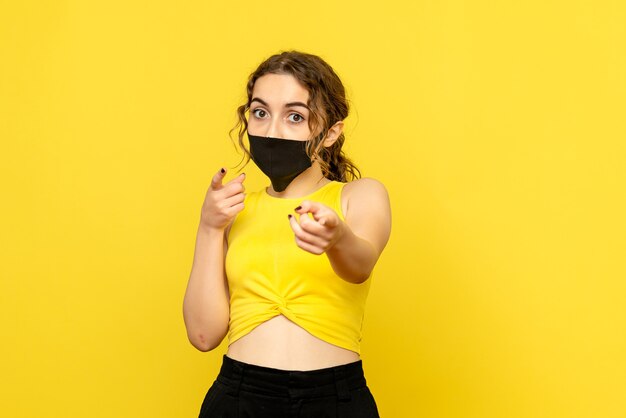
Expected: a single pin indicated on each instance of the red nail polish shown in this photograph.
(298, 208)
(289, 216)
(222, 170)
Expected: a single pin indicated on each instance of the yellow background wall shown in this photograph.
(498, 128)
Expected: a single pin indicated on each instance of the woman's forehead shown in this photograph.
(278, 89)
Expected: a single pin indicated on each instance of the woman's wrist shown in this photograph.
(351, 257)
(210, 231)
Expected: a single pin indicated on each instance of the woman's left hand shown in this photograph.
(319, 234)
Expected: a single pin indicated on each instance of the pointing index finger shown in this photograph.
(216, 181)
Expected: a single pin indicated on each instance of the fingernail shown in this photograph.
(289, 216)
(298, 208)
(222, 170)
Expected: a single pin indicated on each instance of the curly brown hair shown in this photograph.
(327, 105)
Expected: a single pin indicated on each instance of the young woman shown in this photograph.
(285, 271)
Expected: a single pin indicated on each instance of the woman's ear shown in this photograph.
(333, 133)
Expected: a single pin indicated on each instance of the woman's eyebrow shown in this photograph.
(290, 104)
(256, 99)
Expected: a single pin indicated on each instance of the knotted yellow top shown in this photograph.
(269, 275)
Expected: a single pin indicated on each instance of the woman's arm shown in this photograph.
(353, 246)
(206, 303)
(205, 307)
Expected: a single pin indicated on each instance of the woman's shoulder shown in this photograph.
(367, 209)
(364, 195)
(365, 187)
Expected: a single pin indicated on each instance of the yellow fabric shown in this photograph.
(269, 275)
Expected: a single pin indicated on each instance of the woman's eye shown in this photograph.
(294, 117)
(259, 113)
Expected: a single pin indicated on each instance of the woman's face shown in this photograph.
(278, 108)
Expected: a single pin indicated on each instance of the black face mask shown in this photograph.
(282, 160)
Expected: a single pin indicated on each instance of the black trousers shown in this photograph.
(244, 390)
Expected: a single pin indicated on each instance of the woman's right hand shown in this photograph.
(222, 201)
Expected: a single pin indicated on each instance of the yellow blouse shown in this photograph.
(269, 275)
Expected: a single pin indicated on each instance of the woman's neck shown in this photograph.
(307, 182)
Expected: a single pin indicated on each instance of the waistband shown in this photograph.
(340, 380)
